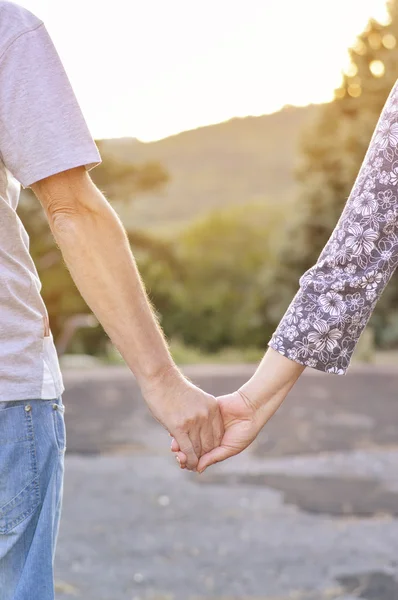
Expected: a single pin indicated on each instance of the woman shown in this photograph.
(337, 296)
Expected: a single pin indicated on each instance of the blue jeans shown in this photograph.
(32, 448)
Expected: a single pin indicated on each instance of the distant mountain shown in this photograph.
(230, 163)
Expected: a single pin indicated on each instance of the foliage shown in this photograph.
(219, 298)
(189, 355)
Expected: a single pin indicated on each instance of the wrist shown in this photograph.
(255, 397)
(263, 405)
(273, 379)
(166, 376)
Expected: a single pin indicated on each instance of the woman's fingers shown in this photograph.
(174, 445)
(180, 456)
(182, 459)
(186, 447)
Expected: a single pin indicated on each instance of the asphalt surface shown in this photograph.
(308, 512)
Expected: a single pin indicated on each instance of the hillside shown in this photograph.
(211, 167)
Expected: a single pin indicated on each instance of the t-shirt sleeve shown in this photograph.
(42, 127)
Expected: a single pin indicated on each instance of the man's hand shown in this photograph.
(191, 416)
(242, 423)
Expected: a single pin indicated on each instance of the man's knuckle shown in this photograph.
(185, 422)
(181, 427)
(205, 414)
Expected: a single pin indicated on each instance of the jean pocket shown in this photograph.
(59, 424)
(19, 479)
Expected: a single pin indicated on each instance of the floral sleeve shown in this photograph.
(337, 296)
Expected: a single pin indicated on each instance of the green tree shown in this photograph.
(219, 296)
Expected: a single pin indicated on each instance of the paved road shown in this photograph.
(309, 512)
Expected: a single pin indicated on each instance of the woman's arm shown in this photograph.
(338, 294)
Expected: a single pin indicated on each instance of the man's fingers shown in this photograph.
(194, 436)
(210, 437)
(217, 455)
(207, 439)
(187, 448)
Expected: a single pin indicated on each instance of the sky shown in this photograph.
(153, 68)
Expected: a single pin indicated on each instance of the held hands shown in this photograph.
(245, 412)
(242, 422)
(206, 430)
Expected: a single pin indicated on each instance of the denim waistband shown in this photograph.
(10, 403)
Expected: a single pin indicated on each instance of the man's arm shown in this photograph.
(45, 143)
(96, 251)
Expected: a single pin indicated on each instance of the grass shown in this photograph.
(184, 355)
(188, 355)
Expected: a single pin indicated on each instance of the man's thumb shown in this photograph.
(214, 456)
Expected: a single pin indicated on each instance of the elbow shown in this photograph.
(68, 197)
(66, 214)
(63, 223)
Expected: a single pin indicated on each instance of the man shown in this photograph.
(337, 296)
(45, 145)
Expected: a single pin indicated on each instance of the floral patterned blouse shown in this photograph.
(337, 296)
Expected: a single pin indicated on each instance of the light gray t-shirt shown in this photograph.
(42, 132)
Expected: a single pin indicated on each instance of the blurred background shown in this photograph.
(231, 134)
